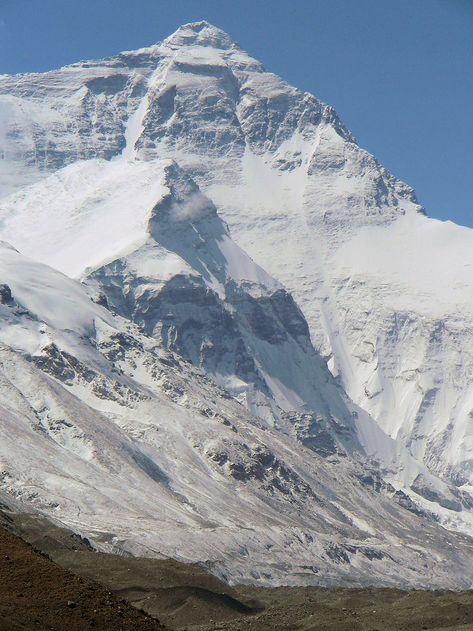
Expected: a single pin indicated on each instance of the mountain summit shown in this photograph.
(268, 344)
(201, 34)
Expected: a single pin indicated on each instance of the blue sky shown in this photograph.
(399, 72)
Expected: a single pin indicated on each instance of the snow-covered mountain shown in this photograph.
(127, 442)
(169, 264)
(122, 173)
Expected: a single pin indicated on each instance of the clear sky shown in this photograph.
(399, 72)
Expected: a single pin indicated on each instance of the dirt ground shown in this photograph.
(187, 598)
(35, 593)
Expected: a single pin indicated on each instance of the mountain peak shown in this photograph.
(201, 34)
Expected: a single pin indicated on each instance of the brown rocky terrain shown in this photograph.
(35, 593)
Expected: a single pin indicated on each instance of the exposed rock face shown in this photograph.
(221, 311)
(5, 294)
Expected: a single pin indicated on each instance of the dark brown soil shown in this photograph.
(35, 593)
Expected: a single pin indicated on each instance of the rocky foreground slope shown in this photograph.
(188, 598)
(35, 593)
(182, 382)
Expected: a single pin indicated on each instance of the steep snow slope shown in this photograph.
(84, 214)
(105, 430)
